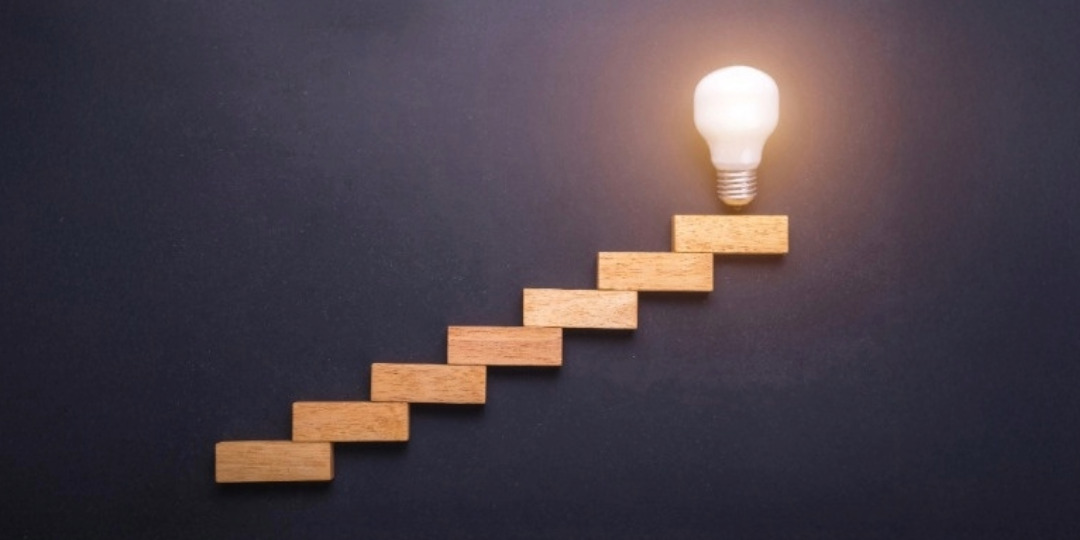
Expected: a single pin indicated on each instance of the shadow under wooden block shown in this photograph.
(429, 383)
(273, 461)
(563, 308)
(504, 346)
(659, 272)
(752, 235)
(350, 421)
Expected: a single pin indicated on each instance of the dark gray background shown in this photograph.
(212, 209)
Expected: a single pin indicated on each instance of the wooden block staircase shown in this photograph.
(308, 457)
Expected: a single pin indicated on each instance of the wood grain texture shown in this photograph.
(754, 235)
(504, 346)
(564, 308)
(675, 272)
(350, 421)
(429, 383)
(273, 461)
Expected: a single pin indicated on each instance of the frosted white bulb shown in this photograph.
(736, 109)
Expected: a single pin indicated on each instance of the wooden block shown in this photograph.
(655, 271)
(429, 383)
(563, 308)
(350, 421)
(757, 235)
(273, 461)
(504, 346)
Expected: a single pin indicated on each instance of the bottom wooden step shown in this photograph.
(273, 461)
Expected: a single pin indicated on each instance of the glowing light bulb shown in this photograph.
(736, 109)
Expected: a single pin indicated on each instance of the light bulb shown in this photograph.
(736, 109)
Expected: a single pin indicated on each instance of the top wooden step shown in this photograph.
(751, 235)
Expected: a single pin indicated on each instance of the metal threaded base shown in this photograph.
(736, 188)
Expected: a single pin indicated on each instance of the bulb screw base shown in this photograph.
(736, 188)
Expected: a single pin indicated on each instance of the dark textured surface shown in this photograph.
(212, 209)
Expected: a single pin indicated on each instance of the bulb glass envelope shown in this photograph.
(736, 109)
